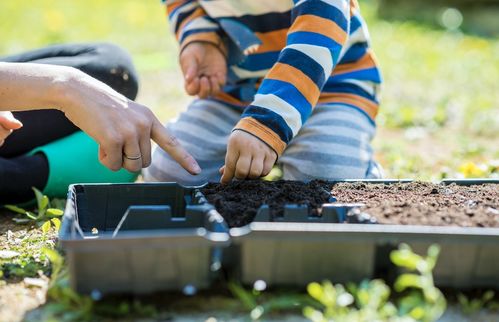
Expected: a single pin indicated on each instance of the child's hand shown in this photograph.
(247, 157)
(7, 124)
(204, 67)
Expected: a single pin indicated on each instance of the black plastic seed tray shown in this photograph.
(141, 238)
(297, 249)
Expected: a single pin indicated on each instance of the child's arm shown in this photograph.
(293, 86)
(202, 51)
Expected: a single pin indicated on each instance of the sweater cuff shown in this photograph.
(272, 139)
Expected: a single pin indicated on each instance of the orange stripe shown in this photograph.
(272, 40)
(321, 26)
(199, 12)
(173, 6)
(296, 77)
(367, 61)
(363, 103)
(264, 133)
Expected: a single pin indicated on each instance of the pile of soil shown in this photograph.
(416, 203)
(422, 203)
(238, 202)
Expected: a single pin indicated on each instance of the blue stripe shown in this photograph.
(196, 31)
(354, 53)
(355, 24)
(321, 9)
(370, 74)
(312, 38)
(271, 120)
(289, 93)
(303, 62)
(333, 87)
(260, 61)
(265, 22)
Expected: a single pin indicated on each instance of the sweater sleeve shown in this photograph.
(190, 23)
(292, 87)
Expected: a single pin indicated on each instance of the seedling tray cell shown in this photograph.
(141, 238)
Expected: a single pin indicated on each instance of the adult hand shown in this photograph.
(247, 157)
(204, 68)
(8, 123)
(123, 128)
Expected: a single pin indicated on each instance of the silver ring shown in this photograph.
(133, 158)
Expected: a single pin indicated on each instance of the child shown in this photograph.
(289, 81)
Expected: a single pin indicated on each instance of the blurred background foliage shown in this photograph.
(440, 104)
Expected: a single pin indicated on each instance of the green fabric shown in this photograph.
(74, 159)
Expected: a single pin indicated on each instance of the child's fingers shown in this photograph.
(256, 167)
(243, 166)
(268, 164)
(215, 86)
(221, 78)
(204, 87)
(221, 170)
(192, 88)
(189, 66)
(230, 166)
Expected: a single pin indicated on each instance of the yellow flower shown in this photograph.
(472, 170)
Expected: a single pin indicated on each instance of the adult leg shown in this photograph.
(203, 129)
(334, 143)
(108, 63)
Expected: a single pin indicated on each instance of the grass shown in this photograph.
(438, 116)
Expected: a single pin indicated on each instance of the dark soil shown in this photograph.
(417, 203)
(238, 202)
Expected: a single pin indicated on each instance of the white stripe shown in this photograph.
(367, 86)
(238, 8)
(321, 55)
(281, 107)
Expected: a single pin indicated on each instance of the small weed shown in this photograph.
(469, 306)
(369, 301)
(45, 216)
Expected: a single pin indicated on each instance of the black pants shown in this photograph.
(105, 62)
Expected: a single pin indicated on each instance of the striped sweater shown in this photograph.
(284, 58)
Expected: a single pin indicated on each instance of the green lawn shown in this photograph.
(439, 107)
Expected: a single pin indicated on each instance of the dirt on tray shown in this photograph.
(422, 203)
(238, 202)
(415, 203)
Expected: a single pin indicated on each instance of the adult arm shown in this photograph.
(120, 126)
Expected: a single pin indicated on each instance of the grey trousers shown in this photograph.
(334, 143)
